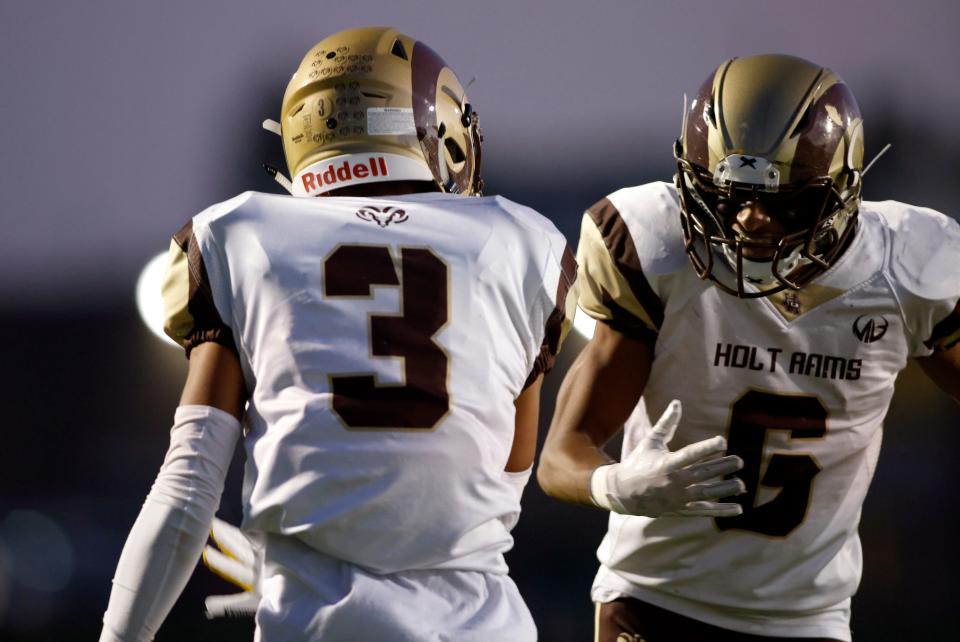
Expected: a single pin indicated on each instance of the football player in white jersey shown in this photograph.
(777, 309)
(384, 346)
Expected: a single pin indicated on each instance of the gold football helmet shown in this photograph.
(782, 132)
(372, 104)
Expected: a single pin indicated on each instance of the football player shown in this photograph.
(384, 345)
(761, 296)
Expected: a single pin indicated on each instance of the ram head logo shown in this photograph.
(382, 216)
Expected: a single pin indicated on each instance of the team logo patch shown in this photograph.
(382, 216)
(869, 329)
(791, 302)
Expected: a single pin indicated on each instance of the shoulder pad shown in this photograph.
(925, 249)
(652, 214)
(223, 208)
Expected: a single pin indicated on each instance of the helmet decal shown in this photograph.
(828, 120)
(434, 85)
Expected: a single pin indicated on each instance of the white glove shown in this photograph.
(238, 561)
(653, 481)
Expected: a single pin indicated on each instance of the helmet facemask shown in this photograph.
(817, 220)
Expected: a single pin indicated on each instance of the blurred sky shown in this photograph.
(121, 120)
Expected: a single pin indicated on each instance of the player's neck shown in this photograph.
(387, 188)
(848, 241)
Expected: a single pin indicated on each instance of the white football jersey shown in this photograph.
(799, 384)
(383, 342)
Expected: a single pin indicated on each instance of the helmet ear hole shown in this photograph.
(457, 155)
(466, 119)
(398, 50)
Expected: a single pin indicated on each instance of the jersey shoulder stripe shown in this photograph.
(627, 243)
(622, 249)
(946, 333)
(190, 316)
(561, 318)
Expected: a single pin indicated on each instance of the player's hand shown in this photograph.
(238, 561)
(653, 481)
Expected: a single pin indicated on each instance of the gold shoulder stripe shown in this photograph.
(178, 322)
(190, 315)
(627, 324)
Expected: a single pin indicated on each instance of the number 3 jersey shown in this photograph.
(799, 384)
(383, 343)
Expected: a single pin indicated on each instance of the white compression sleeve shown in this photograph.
(166, 540)
(519, 481)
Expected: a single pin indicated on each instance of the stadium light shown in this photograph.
(149, 297)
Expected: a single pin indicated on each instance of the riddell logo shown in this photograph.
(345, 172)
(869, 329)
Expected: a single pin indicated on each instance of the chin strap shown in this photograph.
(278, 176)
(274, 127)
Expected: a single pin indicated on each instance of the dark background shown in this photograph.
(121, 120)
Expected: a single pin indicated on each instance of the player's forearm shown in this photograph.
(582, 424)
(566, 465)
(166, 540)
(160, 553)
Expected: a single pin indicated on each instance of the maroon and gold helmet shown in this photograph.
(786, 133)
(372, 104)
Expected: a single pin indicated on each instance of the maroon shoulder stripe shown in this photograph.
(622, 250)
(626, 323)
(944, 329)
(554, 326)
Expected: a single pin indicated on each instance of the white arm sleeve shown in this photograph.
(166, 540)
(519, 482)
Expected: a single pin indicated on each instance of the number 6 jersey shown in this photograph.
(383, 343)
(798, 382)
